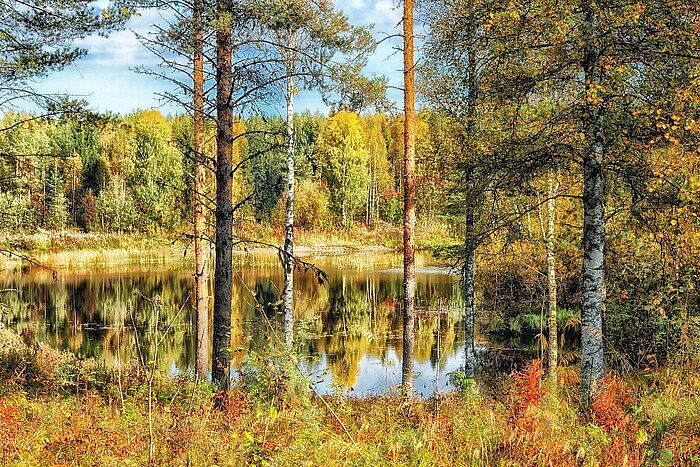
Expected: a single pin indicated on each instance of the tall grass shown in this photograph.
(52, 416)
(529, 321)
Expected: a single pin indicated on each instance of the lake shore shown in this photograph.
(76, 249)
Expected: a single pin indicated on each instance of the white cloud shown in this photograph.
(122, 49)
(387, 14)
(383, 14)
(352, 4)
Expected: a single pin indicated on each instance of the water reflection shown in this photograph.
(349, 328)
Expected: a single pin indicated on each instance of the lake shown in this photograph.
(348, 330)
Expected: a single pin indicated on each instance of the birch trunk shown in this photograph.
(409, 225)
(552, 277)
(289, 220)
(592, 347)
(223, 274)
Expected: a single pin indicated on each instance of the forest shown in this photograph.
(501, 269)
(133, 174)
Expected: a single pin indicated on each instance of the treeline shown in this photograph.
(134, 173)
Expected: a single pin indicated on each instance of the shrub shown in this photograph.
(16, 215)
(310, 206)
(269, 376)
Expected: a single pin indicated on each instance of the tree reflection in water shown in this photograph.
(350, 328)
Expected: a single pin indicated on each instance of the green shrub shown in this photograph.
(270, 377)
(310, 207)
(16, 215)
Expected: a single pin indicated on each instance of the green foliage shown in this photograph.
(311, 207)
(307, 127)
(55, 199)
(114, 205)
(271, 378)
(344, 157)
(462, 383)
(264, 171)
(158, 171)
(532, 322)
(16, 214)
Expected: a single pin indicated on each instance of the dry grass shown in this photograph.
(49, 418)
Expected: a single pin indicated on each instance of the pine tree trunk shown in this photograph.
(592, 347)
(223, 275)
(289, 220)
(552, 277)
(409, 226)
(201, 263)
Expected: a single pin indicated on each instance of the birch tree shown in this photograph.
(611, 61)
(454, 81)
(307, 37)
(552, 188)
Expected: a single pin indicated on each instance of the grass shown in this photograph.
(381, 237)
(56, 409)
(75, 250)
(532, 321)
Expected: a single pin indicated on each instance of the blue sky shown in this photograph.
(105, 77)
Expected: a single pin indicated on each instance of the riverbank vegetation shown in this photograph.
(57, 409)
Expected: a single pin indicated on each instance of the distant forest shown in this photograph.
(107, 173)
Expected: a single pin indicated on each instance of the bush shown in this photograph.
(310, 206)
(15, 215)
(25, 362)
(270, 377)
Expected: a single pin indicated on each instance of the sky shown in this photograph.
(106, 79)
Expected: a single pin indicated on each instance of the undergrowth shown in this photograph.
(56, 409)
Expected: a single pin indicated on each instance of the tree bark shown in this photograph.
(289, 220)
(468, 282)
(409, 225)
(469, 232)
(552, 277)
(201, 256)
(592, 347)
(224, 206)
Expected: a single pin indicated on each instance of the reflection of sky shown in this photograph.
(379, 376)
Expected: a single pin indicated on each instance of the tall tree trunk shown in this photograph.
(409, 223)
(592, 347)
(552, 276)
(223, 274)
(289, 219)
(201, 263)
(469, 232)
(468, 280)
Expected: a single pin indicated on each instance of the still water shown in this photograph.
(349, 330)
